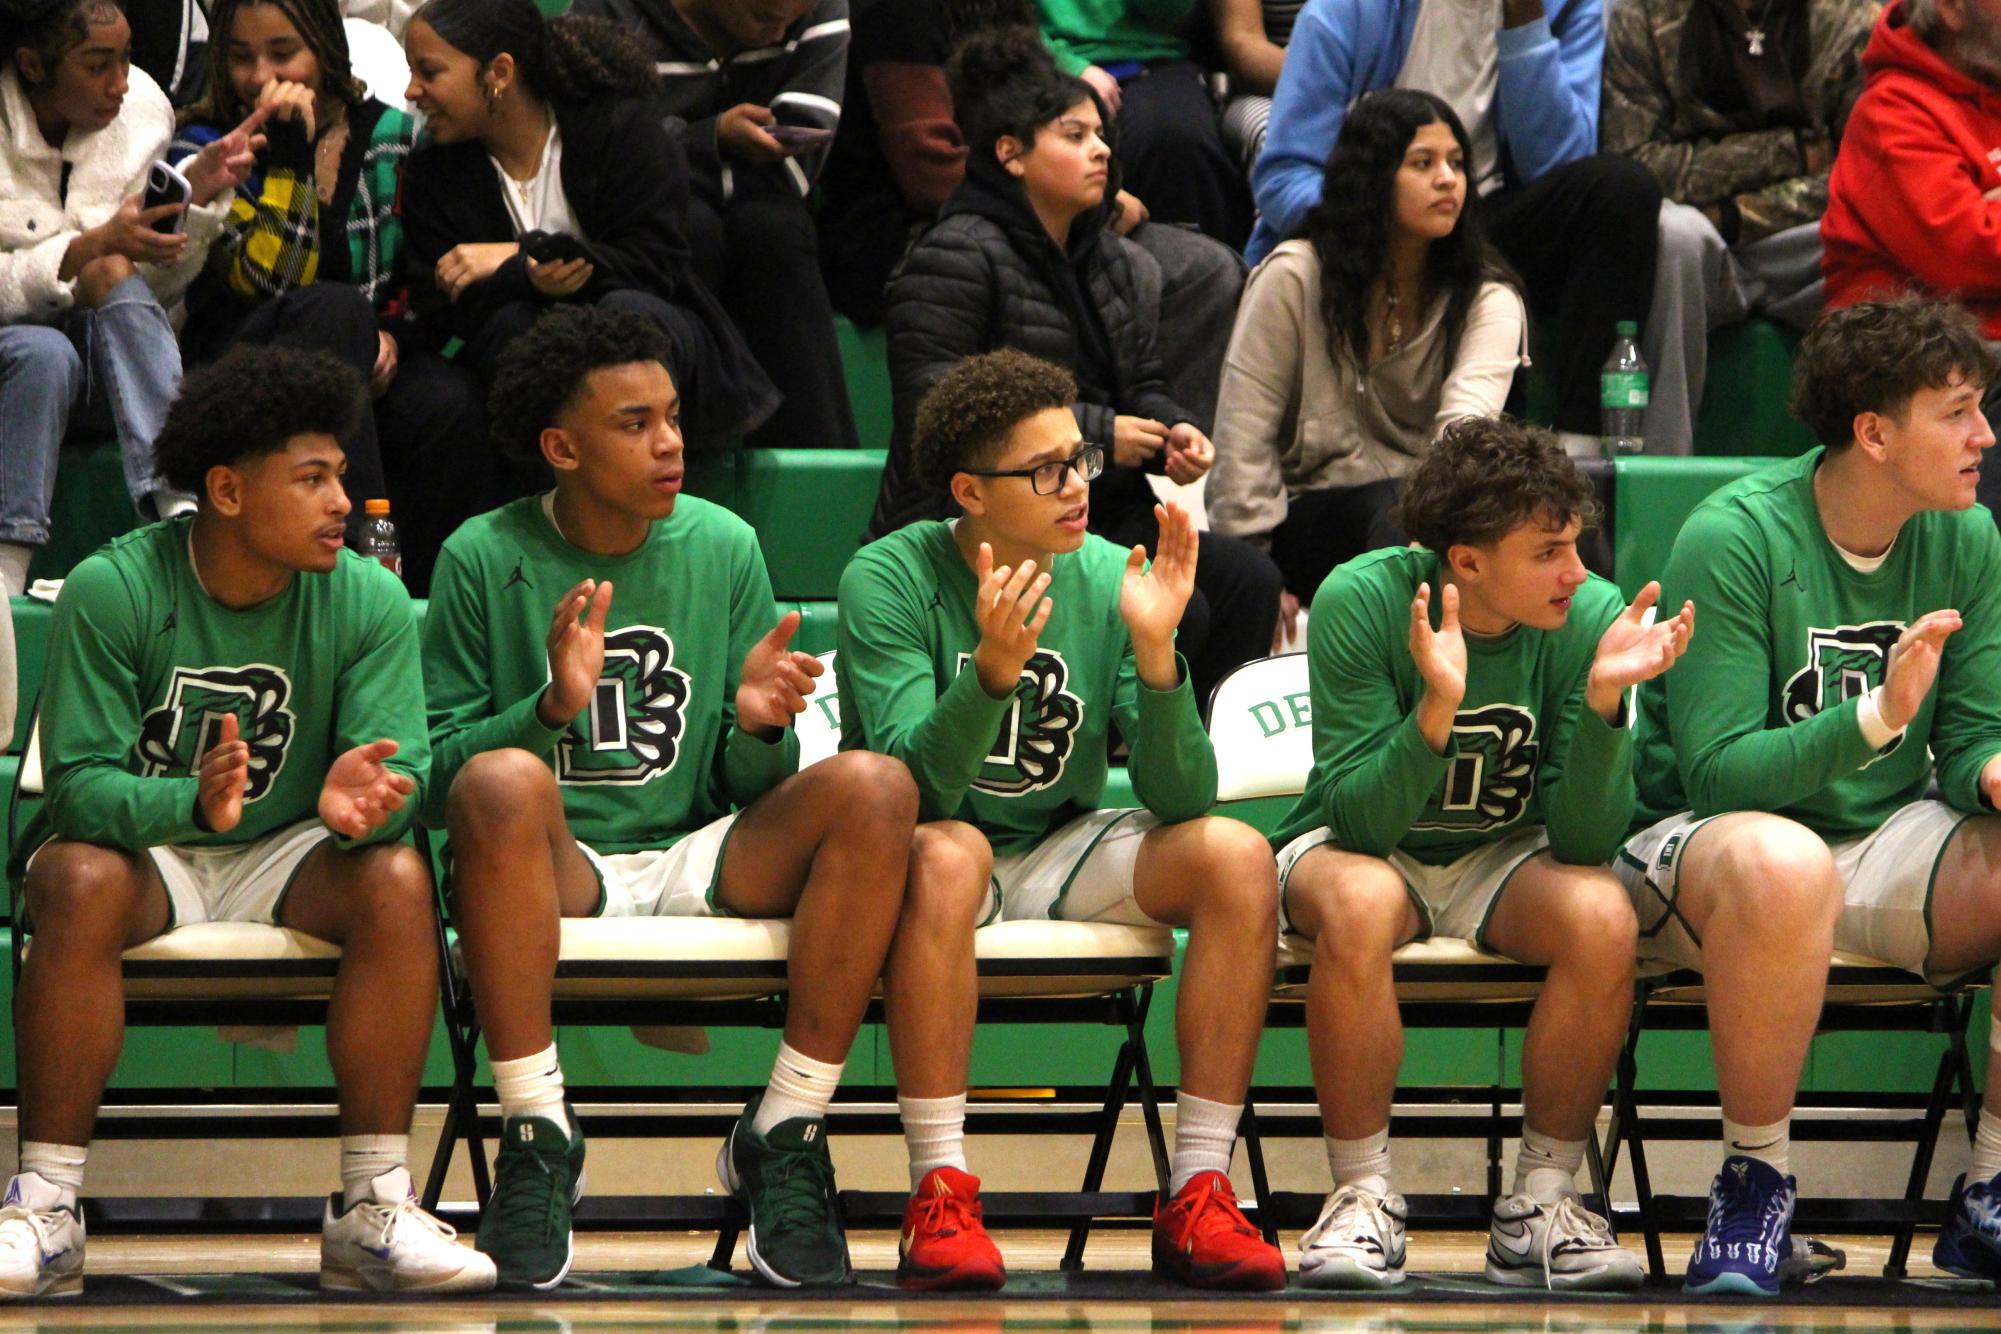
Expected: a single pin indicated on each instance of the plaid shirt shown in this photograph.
(272, 243)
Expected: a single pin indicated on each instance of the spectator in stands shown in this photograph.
(681, 800)
(233, 731)
(1022, 259)
(1737, 110)
(1582, 228)
(900, 155)
(1358, 342)
(1253, 35)
(756, 90)
(312, 258)
(86, 276)
(1822, 772)
(948, 643)
(1135, 57)
(549, 125)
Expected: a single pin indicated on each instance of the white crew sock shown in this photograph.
(14, 560)
(1205, 1136)
(1986, 1148)
(366, 1157)
(800, 1086)
(532, 1086)
(1546, 1167)
(1768, 1144)
(61, 1165)
(1363, 1162)
(934, 1130)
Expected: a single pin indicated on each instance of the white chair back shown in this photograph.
(819, 728)
(30, 778)
(1261, 724)
(378, 61)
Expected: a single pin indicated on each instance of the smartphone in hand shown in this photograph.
(165, 185)
(795, 137)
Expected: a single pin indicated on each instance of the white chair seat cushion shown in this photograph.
(1439, 969)
(1032, 958)
(688, 958)
(1853, 979)
(230, 960)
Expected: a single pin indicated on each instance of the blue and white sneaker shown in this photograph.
(41, 1241)
(1749, 1237)
(1970, 1243)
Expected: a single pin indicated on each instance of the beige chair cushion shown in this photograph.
(1440, 969)
(231, 960)
(671, 958)
(1852, 979)
(1069, 958)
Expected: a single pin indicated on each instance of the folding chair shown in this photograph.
(1863, 995)
(228, 974)
(1261, 724)
(732, 972)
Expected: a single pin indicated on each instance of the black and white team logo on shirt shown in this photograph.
(186, 725)
(1489, 783)
(631, 732)
(1037, 732)
(1841, 664)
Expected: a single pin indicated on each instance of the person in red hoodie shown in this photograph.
(1914, 202)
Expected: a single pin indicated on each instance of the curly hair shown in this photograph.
(1873, 356)
(572, 58)
(1483, 478)
(542, 372)
(250, 401)
(1004, 82)
(319, 25)
(51, 28)
(1350, 227)
(965, 418)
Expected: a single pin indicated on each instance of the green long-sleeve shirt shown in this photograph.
(1081, 33)
(143, 665)
(657, 753)
(1017, 767)
(1761, 713)
(1525, 749)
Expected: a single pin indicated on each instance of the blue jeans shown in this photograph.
(118, 361)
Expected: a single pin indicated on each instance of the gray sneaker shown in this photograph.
(1561, 1246)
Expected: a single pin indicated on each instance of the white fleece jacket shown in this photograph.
(106, 167)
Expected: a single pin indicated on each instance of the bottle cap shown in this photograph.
(374, 507)
(1628, 329)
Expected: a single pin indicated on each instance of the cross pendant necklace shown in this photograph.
(1754, 39)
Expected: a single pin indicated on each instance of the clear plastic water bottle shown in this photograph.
(377, 538)
(1622, 394)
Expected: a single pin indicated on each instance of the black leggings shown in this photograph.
(1323, 529)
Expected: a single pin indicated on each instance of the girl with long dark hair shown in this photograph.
(548, 125)
(1387, 317)
(311, 257)
(1022, 258)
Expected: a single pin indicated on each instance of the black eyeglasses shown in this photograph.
(1047, 478)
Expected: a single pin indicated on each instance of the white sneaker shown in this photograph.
(1357, 1242)
(385, 1243)
(1561, 1246)
(41, 1241)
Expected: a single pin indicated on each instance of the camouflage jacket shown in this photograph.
(1701, 155)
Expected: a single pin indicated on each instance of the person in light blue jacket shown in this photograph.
(1583, 228)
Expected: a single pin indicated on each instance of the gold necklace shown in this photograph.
(1395, 321)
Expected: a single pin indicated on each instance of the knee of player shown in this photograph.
(1782, 876)
(1361, 914)
(392, 883)
(869, 793)
(1236, 870)
(80, 889)
(494, 790)
(950, 866)
(1599, 924)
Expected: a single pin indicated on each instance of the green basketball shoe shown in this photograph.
(538, 1178)
(785, 1181)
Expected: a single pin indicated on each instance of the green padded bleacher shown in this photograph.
(865, 367)
(809, 507)
(1744, 401)
(1652, 497)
